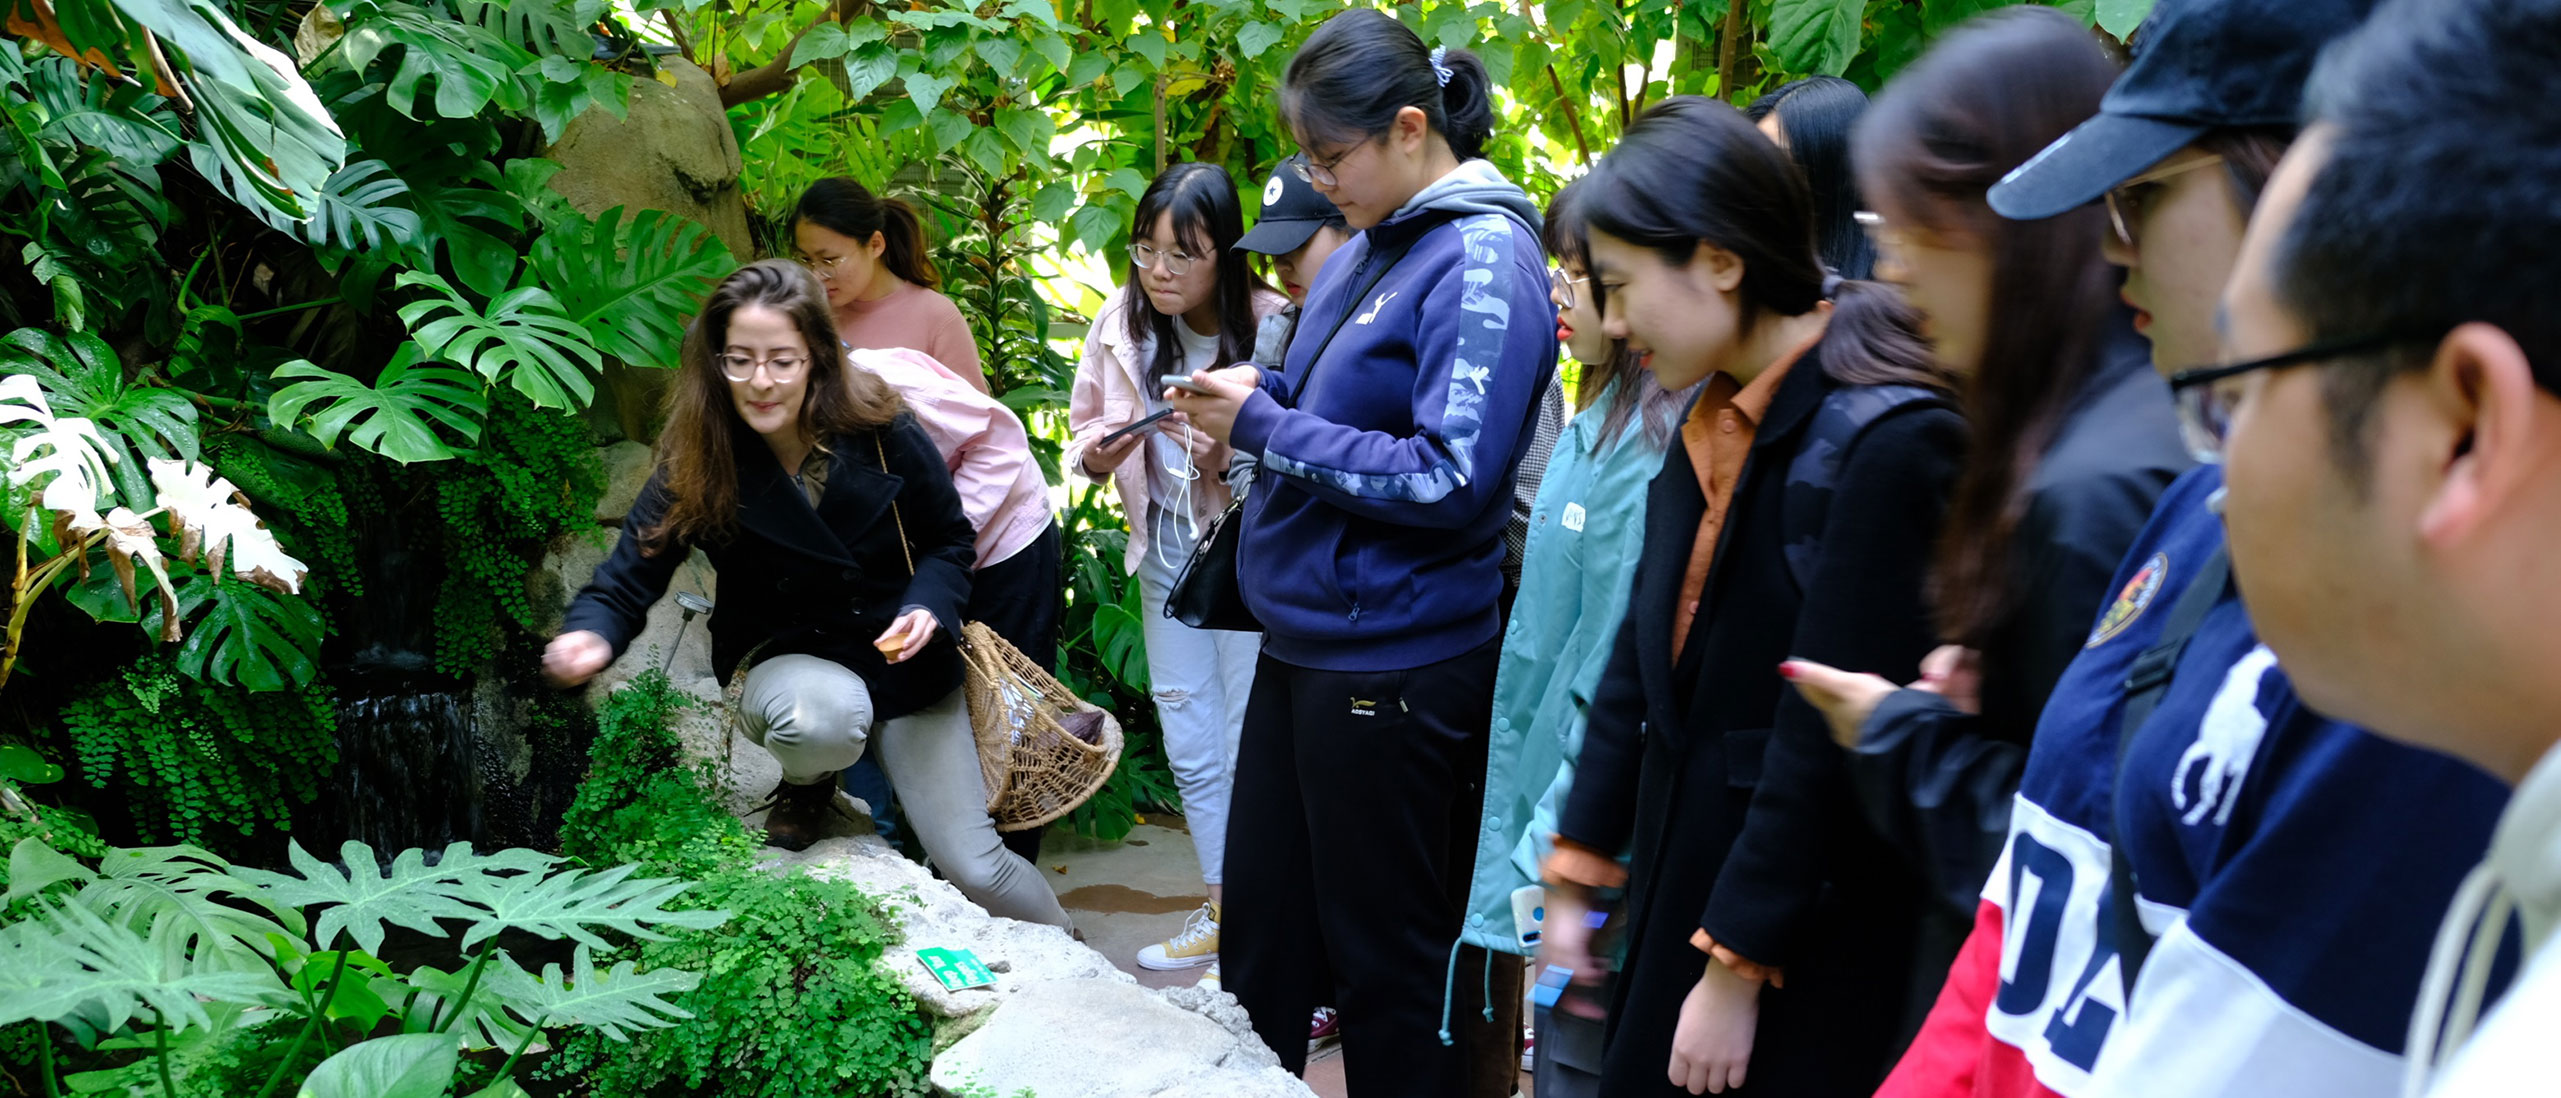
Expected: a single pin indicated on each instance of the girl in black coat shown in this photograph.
(834, 519)
(1768, 934)
(2074, 438)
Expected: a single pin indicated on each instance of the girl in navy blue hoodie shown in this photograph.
(1371, 553)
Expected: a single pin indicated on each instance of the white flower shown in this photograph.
(213, 517)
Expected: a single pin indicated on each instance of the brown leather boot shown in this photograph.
(799, 815)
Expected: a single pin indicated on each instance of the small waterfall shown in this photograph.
(408, 770)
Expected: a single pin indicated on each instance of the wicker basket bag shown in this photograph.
(1042, 749)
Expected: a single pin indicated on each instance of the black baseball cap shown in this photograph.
(2198, 65)
(1292, 212)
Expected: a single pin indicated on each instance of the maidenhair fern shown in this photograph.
(534, 477)
(198, 761)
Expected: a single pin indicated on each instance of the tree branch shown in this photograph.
(777, 75)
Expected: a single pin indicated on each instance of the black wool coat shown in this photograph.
(1728, 784)
(821, 581)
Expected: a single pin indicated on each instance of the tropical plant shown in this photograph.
(792, 1000)
(174, 948)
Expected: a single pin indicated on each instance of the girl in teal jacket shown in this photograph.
(1583, 537)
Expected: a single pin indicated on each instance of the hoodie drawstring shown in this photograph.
(2481, 905)
(1488, 991)
(1449, 994)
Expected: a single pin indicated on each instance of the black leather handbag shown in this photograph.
(1207, 593)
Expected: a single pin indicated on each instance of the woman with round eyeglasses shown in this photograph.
(830, 514)
(869, 253)
(1188, 303)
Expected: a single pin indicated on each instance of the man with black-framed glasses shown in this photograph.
(2392, 443)
(2206, 889)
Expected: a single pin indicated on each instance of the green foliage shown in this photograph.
(398, 416)
(535, 475)
(194, 760)
(792, 999)
(159, 950)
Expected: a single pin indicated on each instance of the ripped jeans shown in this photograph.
(1200, 679)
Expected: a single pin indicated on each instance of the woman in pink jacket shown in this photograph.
(1189, 303)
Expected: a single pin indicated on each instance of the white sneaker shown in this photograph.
(1197, 945)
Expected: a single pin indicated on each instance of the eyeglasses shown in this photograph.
(1562, 286)
(1320, 174)
(781, 368)
(825, 269)
(1176, 264)
(2125, 200)
(2207, 402)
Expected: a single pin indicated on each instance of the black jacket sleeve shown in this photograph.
(615, 603)
(936, 529)
(1863, 608)
(1934, 785)
(1937, 781)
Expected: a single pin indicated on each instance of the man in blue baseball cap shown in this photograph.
(2206, 889)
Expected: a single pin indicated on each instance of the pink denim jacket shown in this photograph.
(1112, 391)
(1000, 484)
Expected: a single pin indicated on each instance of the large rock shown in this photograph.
(1107, 1039)
(672, 151)
(627, 468)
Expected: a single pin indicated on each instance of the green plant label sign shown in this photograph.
(956, 968)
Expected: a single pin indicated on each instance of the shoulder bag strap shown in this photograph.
(904, 553)
(2145, 683)
(1379, 263)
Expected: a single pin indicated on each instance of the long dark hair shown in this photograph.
(1692, 169)
(1980, 103)
(842, 205)
(697, 452)
(1816, 114)
(1362, 66)
(1208, 219)
(1561, 232)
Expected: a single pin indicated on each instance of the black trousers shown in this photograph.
(1349, 845)
(1019, 597)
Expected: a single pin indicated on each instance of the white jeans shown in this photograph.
(1200, 679)
(816, 718)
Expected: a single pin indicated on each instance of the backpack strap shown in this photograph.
(2145, 683)
(1845, 414)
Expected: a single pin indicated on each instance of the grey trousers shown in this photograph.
(815, 716)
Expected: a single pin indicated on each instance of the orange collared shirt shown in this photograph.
(1718, 437)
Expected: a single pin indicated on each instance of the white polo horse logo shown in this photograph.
(1375, 306)
(2226, 740)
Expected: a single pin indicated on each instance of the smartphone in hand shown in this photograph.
(1183, 382)
(1132, 429)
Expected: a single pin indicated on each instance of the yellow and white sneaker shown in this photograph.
(1210, 978)
(1197, 945)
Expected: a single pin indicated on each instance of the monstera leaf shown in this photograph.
(353, 211)
(187, 898)
(468, 66)
(249, 637)
(632, 285)
(403, 415)
(81, 378)
(522, 338)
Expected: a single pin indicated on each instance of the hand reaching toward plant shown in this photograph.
(573, 658)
